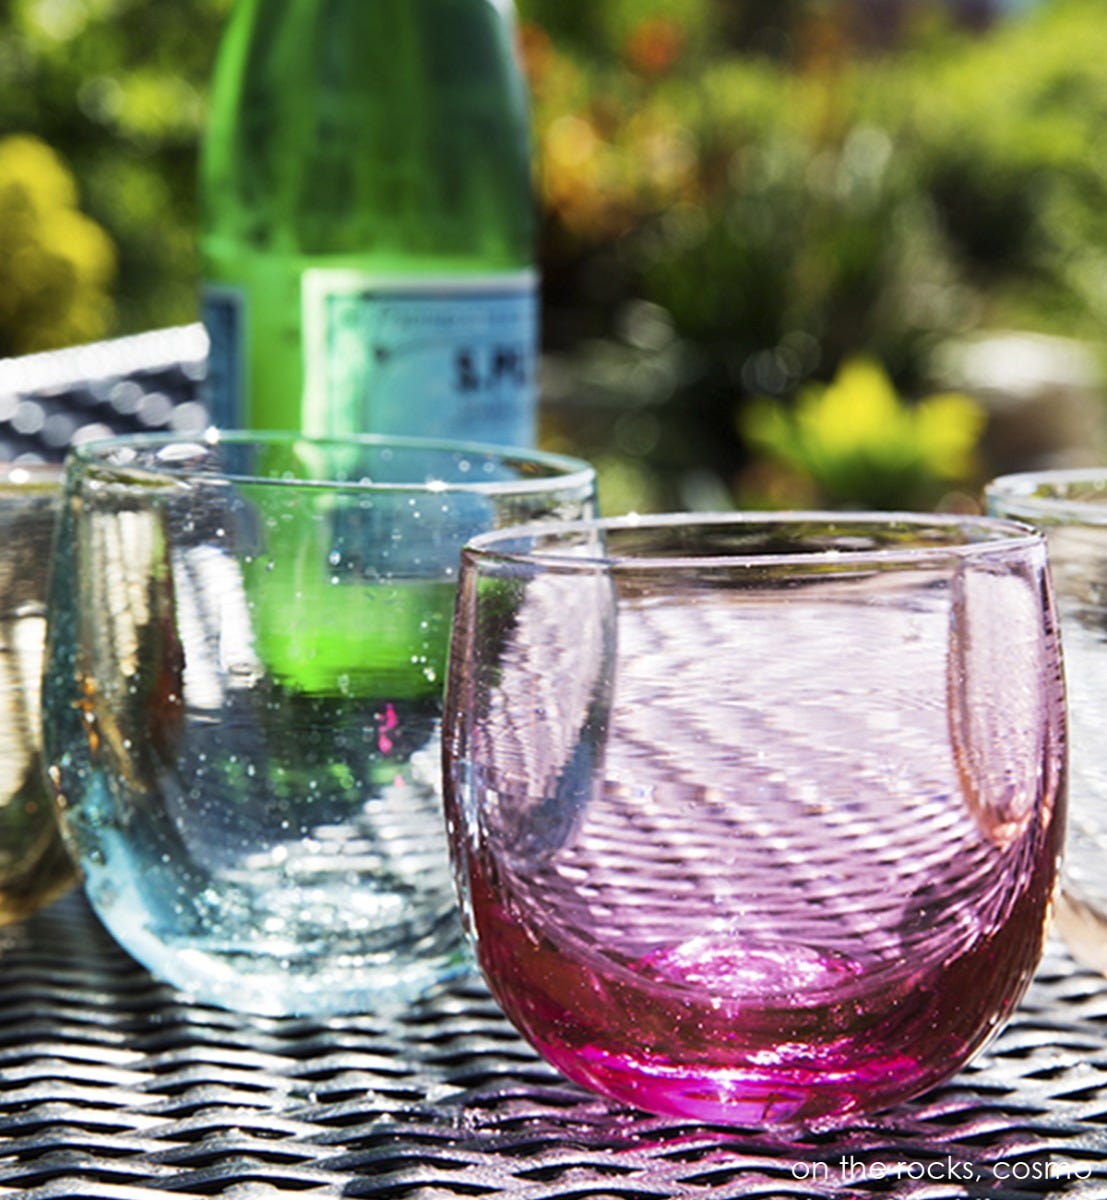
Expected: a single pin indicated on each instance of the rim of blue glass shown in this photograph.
(1049, 496)
(924, 539)
(176, 458)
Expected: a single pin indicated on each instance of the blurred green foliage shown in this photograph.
(736, 203)
(855, 442)
(787, 216)
(58, 264)
(116, 89)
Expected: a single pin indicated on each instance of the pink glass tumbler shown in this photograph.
(756, 819)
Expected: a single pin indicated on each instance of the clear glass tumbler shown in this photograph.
(1070, 507)
(34, 865)
(756, 819)
(242, 699)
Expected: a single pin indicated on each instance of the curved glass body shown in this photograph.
(757, 819)
(242, 698)
(1070, 507)
(34, 865)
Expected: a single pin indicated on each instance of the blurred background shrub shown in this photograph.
(788, 246)
(855, 442)
(56, 263)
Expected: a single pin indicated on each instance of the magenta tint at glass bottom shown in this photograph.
(804, 874)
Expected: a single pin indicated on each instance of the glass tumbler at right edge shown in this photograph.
(757, 819)
(1070, 507)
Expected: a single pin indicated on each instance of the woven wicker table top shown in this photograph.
(114, 1086)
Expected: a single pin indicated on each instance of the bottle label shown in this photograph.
(223, 315)
(438, 357)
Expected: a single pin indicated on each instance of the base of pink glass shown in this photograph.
(767, 1036)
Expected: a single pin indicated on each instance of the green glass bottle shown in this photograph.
(368, 221)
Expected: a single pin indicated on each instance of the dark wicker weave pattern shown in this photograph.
(142, 384)
(113, 1087)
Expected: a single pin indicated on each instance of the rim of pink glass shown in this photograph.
(1063, 496)
(922, 539)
